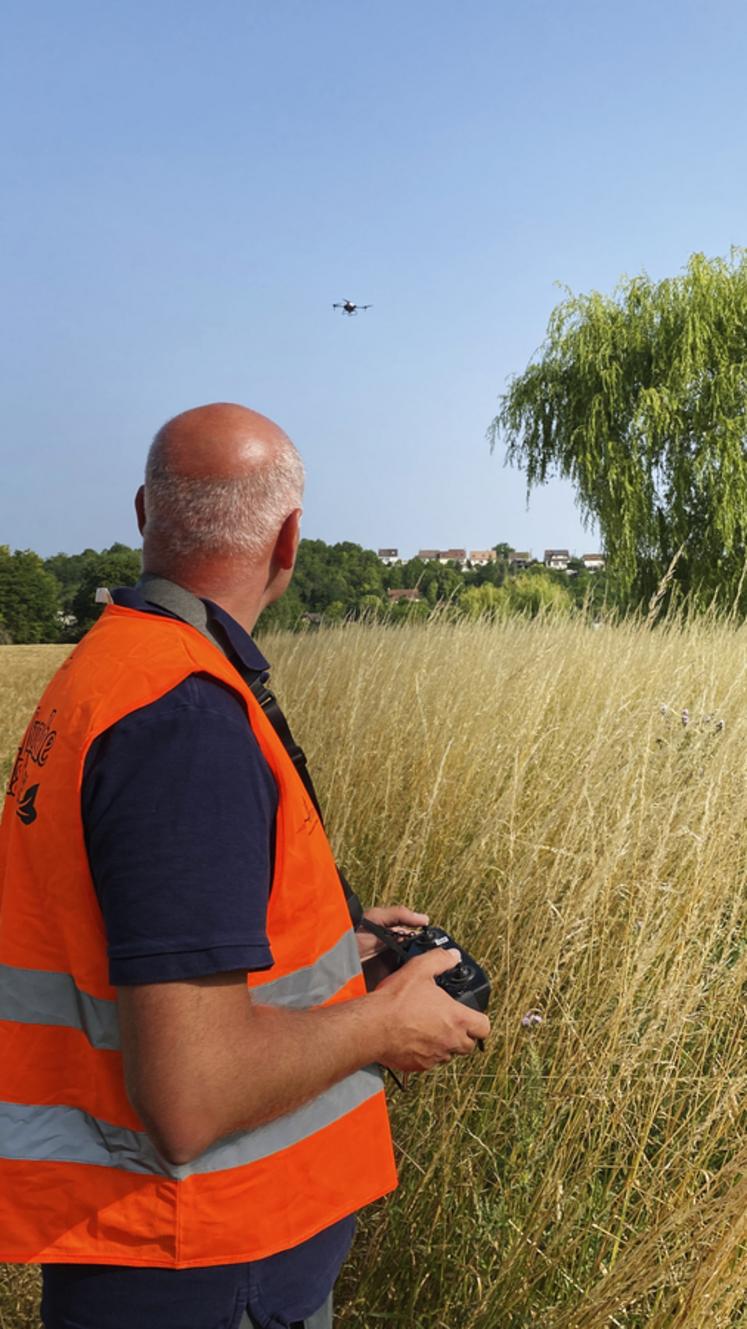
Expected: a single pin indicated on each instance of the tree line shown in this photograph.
(53, 599)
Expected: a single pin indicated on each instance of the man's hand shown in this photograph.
(424, 1025)
(387, 916)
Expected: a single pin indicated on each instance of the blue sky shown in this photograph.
(187, 188)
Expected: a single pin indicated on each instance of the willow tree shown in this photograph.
(640, 399)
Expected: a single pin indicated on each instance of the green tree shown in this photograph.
(371, 606)
(535, 593)
(412, 573)
(640, 399)
(336, 574)
(283, 613)
(68, 571)
(440, 581)
(408, 611)
(117, 566)
(29, 598)
(484, 601)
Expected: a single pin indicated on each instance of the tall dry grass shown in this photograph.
(522, 783)
(24, 673)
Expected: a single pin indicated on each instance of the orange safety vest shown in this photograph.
(80, 1180)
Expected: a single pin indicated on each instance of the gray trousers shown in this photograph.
(321, 1319)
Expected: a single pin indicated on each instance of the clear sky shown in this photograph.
(187, 187)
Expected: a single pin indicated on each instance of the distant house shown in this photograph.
(594, 562)
(389, 556)
(404, 595)
(453, 556)
(557, 559)
(428, 555)
(519, 560)
(479, 557)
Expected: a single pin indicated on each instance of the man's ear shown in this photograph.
(140, 508)
(286, 545)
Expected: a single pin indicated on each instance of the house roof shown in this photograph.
(402, 594)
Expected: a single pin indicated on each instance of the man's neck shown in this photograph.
(240, 591)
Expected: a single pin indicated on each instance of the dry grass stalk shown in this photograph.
(654, 604)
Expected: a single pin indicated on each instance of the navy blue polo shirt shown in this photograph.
(179, 809)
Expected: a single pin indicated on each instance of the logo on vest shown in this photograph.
(26, 810)
(36, 745)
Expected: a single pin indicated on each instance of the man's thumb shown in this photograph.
(442, 959)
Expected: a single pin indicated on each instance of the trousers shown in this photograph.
(321, 1319)
(105, 1297)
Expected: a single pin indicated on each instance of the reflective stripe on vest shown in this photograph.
(315, 983)
(66, 1135)
(35, 996)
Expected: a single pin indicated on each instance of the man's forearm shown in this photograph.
(239, 1074)
(287, 1058)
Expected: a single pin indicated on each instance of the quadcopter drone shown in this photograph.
(349, 307)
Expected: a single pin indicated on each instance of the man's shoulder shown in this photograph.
(193, 737)
(200, 694)
(196, 704)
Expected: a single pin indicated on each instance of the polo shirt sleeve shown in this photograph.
(179, 813)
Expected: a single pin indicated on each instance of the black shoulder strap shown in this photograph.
(271, 708)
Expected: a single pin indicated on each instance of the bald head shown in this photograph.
(220, 441)
(220, 481)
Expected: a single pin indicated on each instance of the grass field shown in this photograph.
(523, 783)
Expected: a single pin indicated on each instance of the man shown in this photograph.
(190, 1111)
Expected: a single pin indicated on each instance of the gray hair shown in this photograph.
(207, 515)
